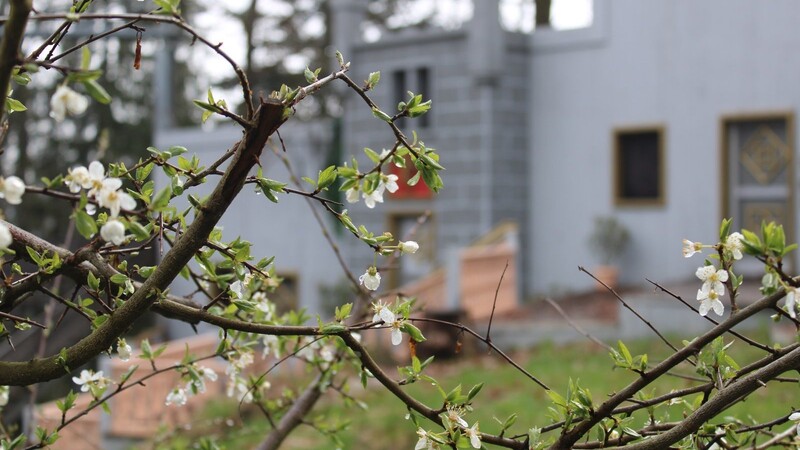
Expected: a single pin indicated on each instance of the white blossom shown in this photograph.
(389, 182)
(713, 278)
(352, 194)
(114, 199)
(264, 305)
(239, 362)
(97, 175)
(424, 442)
(791, 302)
(241, 389)
(382, 313)
(237, 288)
(5, 237)
(11, 189)
(408, 247)
(176, 396)
(690, 248)
(454, 416)
(199, 384)
(397, 334)
(371, 279)
(795, 417)
(376, 196)
(733, 244)
(474, 435)
(66, 101)
(77, 178)
(113, 231)
(4, 393)
(89, 379)
(709, 299)
(123, 349)
(271, 344)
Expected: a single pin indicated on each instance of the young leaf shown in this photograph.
(97, 92)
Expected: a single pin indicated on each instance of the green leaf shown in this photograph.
(146, 271)
(381, 115)
(93, 282)
(86, 58)
(100, 320)
(371, 154)
(625, 352)
(97, 92)
(85, 223)
(332, 328)
(309, 75)
(140, 233)
(412, 331)
(13, 105)
(162, 198)
(119, 279)
(725, 229)
(474, 391)
(373, 79)
(35, 256)
(326, 177)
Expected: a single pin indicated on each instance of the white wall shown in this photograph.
(681, 64)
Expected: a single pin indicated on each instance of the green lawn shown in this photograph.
(506, 391)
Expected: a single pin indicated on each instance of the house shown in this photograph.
(667, 116)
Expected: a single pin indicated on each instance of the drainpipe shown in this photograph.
(486, 58)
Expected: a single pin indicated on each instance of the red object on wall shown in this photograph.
(404, 191)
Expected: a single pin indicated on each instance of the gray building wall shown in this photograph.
(683, 65)
(477, 124)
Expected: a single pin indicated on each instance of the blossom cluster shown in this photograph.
(713, 278)
(107, 192)
(453, 419)
(374, 196)
(197, 375)
(371, 279)
(386, 183)
(383, 313)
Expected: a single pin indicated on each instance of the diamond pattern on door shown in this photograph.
(765, 155)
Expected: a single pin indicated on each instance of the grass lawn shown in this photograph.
(506, 391)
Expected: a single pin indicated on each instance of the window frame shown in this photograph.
(392, 225)
(617, 134)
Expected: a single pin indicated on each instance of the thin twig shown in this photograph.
(760, 346)
(468, 330)
(494, 304)
(625, 304)
(576, 326)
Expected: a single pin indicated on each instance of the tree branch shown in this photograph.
(10, 46)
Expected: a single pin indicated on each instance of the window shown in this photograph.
(410, 268)
(286, 295)
(399, 92)
(423, 87)
(639, 166)
(417, 81)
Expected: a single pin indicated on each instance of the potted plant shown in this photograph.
(608, 241)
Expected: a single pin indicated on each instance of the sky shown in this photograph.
(517, 15)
